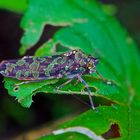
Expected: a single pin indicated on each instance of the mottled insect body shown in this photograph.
(71, 64)
(57, 66)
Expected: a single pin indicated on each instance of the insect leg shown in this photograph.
(18, 84)
(27, 82)
(77, 81)
(67, 82)
(89, 92)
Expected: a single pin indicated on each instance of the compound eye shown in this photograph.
(89, 65)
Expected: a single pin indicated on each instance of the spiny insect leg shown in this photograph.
(67, 82)
(89, 92)
(27, 82)
(77, 81)
(18, 84)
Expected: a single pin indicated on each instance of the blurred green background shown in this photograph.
(15, 119)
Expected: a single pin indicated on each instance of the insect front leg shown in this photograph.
(82, 81)
(71, 77)
(77, 81)
(86, 85)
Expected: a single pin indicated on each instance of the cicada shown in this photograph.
(71, 64)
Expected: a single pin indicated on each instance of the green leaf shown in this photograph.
(14, 5)
(24, 92)
(46, 49)
(40, 13)
(101, 119)
(88, 26)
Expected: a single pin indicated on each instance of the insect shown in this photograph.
(71, 64)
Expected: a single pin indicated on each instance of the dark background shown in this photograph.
(15, 119)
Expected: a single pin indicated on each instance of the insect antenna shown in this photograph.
(109, 82)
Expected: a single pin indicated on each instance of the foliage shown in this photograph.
(14, 5)
(87, 25)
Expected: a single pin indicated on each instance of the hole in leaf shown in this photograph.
(113, 132)
(16, 89)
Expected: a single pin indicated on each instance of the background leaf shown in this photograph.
(87, 25)
(14, 5)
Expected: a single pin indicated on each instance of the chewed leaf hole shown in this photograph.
(113, 132)
(16, 88)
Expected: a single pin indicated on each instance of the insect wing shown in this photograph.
(36, 68)
(27, 68)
